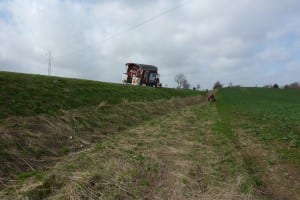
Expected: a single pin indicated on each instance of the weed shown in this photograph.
(293, 139)
(258, 181)
(98, 147)
(137, 158)
(69, 166)
(41, 192)
(65, 150)
(271, 161)
(265, 137)
(25, 175)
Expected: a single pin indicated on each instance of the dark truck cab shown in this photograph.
(141, 74)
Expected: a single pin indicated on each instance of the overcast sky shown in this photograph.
(247, 42)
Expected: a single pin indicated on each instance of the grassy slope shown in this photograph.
(28, 95)
(42, 118)
(191, 153)
(266, 129)
(181, 155)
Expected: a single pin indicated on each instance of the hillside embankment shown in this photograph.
(30, 95)
(43, 118)
(146, 143)
(181, 154)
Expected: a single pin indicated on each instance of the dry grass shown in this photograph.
(32, 143)
(178, 156)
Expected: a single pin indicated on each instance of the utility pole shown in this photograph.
(49, 63)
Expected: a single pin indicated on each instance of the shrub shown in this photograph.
(217, 85)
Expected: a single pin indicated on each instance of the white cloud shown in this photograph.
(275, 54)
(209, 40)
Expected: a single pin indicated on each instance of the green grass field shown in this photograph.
(79, 139)
(274, 114)
(264, 124)
(28, 95)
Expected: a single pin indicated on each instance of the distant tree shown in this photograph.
(217, 85)
(179, 79)
(275, 86)
(230, 84)
(267, 86)
(186, 85)
(295, 85)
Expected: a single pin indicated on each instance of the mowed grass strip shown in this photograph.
(183, 155)
(29, 95)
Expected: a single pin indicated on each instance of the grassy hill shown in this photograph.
(28, 95)
(44, 118)
(76, 139)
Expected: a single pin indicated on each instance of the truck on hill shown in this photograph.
(141, 74)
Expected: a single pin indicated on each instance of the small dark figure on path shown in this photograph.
(211, 98)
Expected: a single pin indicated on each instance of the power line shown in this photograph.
(109, 37)
(148, 20)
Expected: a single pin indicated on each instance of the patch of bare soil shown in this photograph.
(275, 178)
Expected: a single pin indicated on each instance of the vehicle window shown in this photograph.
(152, 77)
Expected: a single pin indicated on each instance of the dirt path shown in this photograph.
(184, 155)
